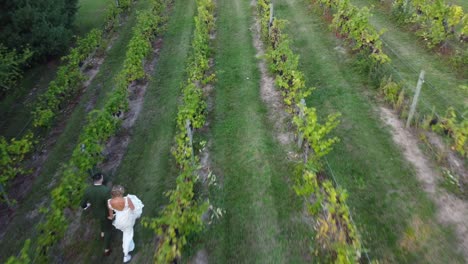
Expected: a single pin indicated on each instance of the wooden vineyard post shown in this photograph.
(270, 22)
(190, 135)
(415, 98)
(300, 137)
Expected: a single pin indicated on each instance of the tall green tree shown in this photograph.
(45, 26)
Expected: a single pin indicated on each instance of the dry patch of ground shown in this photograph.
(451, 209)
(271, 96)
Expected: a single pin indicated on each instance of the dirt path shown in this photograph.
(117, 145)
(450, 158)
(270, 95)
(452, 210)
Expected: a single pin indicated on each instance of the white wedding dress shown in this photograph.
(124, 221)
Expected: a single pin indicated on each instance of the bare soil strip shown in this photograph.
(117, 145)
(450, 158)
(452, 210)
(281, 120)
(114, 152)
(270, 95)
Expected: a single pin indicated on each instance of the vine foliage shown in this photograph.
(182, 217)
(336, 238)
(101, 125)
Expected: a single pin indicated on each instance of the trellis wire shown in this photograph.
(414, 70)
(350, 214)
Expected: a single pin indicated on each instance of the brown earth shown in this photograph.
(452, 211)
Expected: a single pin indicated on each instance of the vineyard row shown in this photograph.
(353, 24)
(182, 217)
(336, 238)
(101, 125)
(66, 84)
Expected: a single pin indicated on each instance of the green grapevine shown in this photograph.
(337, 239)
(182, 216)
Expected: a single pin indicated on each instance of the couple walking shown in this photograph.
(119, 211)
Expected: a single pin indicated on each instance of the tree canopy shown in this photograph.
(43, 26)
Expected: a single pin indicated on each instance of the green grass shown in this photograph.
(263, 221)
(16, 107)
(409, 56)
(148, 169)
(22, 225)
(388, 204)
(91, 14)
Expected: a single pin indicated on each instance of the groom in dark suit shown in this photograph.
(95, 200)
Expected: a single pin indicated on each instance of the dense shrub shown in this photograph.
(43, 25)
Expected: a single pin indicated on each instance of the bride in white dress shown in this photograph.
(127, 210)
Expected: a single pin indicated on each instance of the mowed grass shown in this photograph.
(16, 106)
(26, 216)
(409, 55)
(147, 169)
(262, 223)
(91, 14)
(394, 216)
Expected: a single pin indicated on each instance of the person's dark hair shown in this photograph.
(97, 177)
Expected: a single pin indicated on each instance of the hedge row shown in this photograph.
(182, 217)
(336, 238)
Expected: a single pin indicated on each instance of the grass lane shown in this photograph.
(394, 216)
(461, 3)
(15, 107)
(91, 14)
(262, 223)
(22, 226)
(147, 168)
(410, 56)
